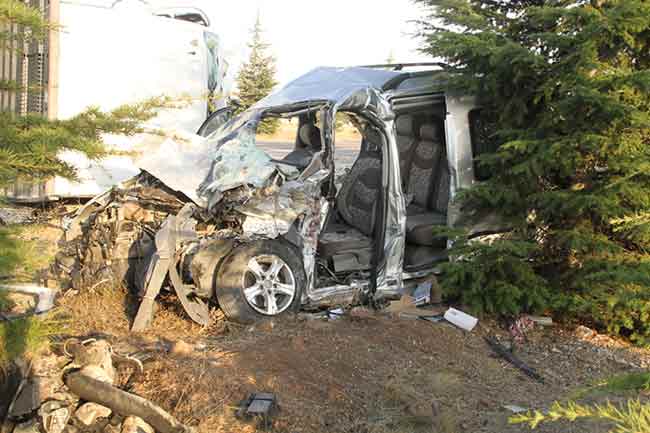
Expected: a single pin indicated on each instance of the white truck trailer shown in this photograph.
(110, 53)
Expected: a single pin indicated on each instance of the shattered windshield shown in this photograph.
(292, 139)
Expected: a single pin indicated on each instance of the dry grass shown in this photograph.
(109, 310)
(36, 247)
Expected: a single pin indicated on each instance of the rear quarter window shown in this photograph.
(482, 133)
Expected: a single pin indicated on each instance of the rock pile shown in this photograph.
(45, 403)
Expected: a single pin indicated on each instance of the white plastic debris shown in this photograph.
(45, 295)
(335, 314)
(541, 320)
(515, 409)
(460, 319)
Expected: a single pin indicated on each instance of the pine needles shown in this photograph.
(634, 417)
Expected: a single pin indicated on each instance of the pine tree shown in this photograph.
(567, 84)
(256, 77)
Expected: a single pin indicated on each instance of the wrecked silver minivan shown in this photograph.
(264, 236)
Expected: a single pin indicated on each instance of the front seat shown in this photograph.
(307, 145)
(356, 203)
(406, 139)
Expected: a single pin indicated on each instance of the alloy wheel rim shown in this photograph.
(269, 285)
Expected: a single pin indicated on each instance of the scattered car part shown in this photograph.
(504, 353)
(463, 320)
(260, 404)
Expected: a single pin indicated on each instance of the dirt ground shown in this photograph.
(374, 374)
(355, 374)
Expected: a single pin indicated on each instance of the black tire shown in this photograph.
(234, 271)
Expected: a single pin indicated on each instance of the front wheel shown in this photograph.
(260, 279)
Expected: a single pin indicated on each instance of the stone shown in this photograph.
(181, 348)
(111, 429)
(134, 424)
(96, 352)
(27, 401)
(21, 303)
(265, 325)
(420, 409)
(30, 426)
(585, 333)
(89, 412)
(54, 416)
(98, 373)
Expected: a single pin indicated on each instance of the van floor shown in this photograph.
(367, 372)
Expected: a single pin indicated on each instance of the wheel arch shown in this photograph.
(206, 262)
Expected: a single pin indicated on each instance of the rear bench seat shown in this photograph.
(428, 181)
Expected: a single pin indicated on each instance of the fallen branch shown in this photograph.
(124, 403)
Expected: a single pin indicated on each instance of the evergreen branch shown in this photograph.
(18, 13)
(634, 417)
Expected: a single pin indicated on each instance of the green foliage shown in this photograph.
(9, 251)
(631, 418)
(568, 85)
(25, 336)
(19, 13)
(630, 382)
(495, 277)
(256, 78)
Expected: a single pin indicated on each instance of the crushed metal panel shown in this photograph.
(237, 162)
(274, 214)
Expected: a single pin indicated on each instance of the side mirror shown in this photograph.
(215, 121)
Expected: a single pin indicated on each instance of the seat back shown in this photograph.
(309, 137)
(357, 199)
(308, 142)
(424, 164)
(407, 139)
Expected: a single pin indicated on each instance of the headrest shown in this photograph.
(373, 140)
(430, 132)
(310, 136)
(404, 125)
